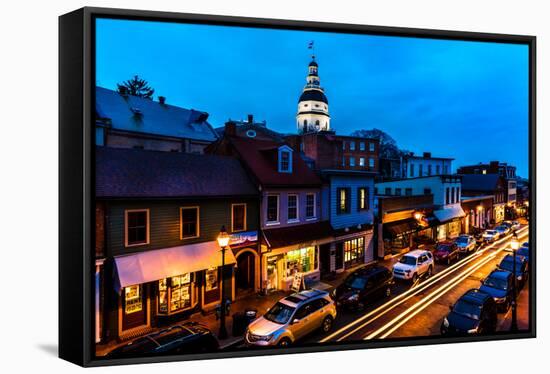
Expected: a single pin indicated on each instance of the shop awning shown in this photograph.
(400, 227)
(448, 214)
(157, 264)
(308, 233)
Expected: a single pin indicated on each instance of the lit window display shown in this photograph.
(354, 251)
(174, 294)
(301, 260)
(132, 299)
(211, 279)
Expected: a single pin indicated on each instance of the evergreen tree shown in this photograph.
(136, 87)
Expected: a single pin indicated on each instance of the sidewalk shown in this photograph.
(254, 301)
(522, 313)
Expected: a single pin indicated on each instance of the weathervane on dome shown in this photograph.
(311, 45)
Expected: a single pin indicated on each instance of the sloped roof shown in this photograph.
(135, 173)
(242, 128)
(260, 156)
(479, 182)
(136, 114)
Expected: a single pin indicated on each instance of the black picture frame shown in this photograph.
(76, 175)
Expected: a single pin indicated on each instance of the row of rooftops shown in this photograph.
(121, 172)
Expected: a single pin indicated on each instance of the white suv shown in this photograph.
(413, 265)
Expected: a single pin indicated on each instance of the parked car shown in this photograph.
(179, 339)
(523, 252)
(499, 285)
(413, 265)
(503, 230)
(513, 225)
(446, 252)
(292, 318)
(507, 264)
(363, 286)
(490, 235)
(475, 313)
(466, 243)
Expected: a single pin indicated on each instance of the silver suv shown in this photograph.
(291, 318)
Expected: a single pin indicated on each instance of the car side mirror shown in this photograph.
(295, 320)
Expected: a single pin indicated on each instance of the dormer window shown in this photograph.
(285, 159)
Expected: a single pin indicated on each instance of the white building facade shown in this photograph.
(425, 166)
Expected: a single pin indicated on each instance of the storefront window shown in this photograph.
(175, 293)
(454, 229)
(133, 300)
(211, 281)
(301, 261)
(354, 251)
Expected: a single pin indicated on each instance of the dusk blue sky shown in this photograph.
(466, 100)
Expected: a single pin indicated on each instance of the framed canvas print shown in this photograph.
(237, 186)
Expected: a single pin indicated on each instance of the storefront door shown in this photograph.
(134, 307)
(245, 273)
(339, 256)
(324, 256)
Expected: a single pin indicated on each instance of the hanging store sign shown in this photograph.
(245, 237)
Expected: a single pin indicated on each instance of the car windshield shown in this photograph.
(497, 283)
(356, 282)
(467, 309)
(408, 260)
(462, 240)
(490, 232)
(444, 248)
(279, 313)
(508, 264)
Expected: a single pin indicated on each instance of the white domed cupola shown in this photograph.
(313, 112)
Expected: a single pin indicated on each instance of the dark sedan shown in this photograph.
(499, 285)
(475, 313)
(178, 339)
(446, 252)
(507, 264)
(363, 286)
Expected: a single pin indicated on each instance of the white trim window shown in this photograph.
(352, 161)
(371, 162)
(189, 222)
(371, 147)
(136, 227)
(361, 161)
(272, 209)
(293, 215)
(310, 206)
(285, 159)
(361, 146)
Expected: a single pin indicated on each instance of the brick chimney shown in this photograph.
(250, 118)
(230, 128)
(427, 155)
(162, 100)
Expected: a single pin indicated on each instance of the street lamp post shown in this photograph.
(223, 241)
(515, 245)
